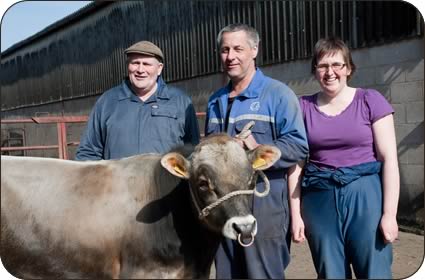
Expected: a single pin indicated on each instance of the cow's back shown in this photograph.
(74, 218)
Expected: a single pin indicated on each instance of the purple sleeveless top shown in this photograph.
(345, 139)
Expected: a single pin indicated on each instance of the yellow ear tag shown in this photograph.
(179, 170)
(258, 163)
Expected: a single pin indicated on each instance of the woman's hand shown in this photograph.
(297, 229)
(389, 228)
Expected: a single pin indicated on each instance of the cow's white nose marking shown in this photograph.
(229, 230)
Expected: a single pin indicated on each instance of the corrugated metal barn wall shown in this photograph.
(85, 57)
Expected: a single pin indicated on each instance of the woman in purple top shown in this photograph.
(350, 186)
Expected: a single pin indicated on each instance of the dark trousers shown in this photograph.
(268, 256)
(342, 228)
(264, 259)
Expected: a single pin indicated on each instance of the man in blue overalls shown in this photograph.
(252, 96)
(141, 115)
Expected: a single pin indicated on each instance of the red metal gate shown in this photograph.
(61, 122)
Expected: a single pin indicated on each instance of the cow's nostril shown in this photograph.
(245, 229)
(237, 228)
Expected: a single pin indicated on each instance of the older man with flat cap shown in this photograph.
(141, 115)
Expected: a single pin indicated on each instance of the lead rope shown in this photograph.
(206, 211)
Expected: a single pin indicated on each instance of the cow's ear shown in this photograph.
(263, 156)
(176, 164)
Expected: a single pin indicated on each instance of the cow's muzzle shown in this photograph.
(241, 228)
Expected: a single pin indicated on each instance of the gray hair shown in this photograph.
(253, 37)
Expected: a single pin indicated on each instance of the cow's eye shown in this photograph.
(204, 186)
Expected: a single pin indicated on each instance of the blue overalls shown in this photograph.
(278, 121)
(341, 209)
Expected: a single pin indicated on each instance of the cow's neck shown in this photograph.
(198, 244)
(186, 239)
(203, 255)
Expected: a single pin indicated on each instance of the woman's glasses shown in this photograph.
(337, 66)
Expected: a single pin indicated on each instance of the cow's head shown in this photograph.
(219, 166)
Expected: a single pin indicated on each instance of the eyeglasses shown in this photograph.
(337, 66)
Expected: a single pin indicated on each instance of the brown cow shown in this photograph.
(127, 218)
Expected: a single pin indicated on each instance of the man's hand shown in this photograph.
(250, 143)
(245, 138)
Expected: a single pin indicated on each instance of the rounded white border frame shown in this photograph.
(6, 4)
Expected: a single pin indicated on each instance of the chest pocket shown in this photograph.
(168, 125)
(164, 111)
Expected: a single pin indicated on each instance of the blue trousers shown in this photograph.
(342, 228)
(268, 256)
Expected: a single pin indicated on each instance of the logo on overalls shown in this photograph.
(255, 106)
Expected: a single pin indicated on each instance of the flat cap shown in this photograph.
(147, 48)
